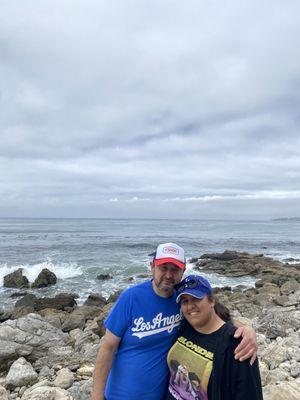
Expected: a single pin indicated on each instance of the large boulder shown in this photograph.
(277, 321)
(20, 374)
(10, 351)
(44, 278)
(46, 393)
(3, 393)
(16, 279)
(64, 379)
(95, 300)
(283, 391)
(32, 334)
(61, 301)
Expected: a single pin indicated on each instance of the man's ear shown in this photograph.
(151, 265)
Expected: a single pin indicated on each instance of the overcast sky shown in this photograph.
(167, 109)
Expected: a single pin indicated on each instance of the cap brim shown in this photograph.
(161, 261)
(195, 293)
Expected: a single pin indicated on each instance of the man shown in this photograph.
(140, 329)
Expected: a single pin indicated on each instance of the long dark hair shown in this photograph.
(221, 310)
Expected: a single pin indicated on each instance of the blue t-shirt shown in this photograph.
(147, 325)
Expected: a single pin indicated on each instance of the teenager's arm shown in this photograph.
(108, 347)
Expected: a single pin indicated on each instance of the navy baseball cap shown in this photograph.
(194, 285)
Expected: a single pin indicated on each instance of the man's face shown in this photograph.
(165, 276)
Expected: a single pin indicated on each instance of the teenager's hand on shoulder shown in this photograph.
(248, 346)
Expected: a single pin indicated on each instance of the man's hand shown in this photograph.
(248, 346)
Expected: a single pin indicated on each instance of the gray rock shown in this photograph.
(44, 278)
(95, 300)
(64, 379)
(104, 277)
(46, 393)
(33, 332)
(275, 322)
(283, 391)
(3, 393)
(11, 351)
(28, 300)
(16, 279)
(21, 373)
(289, 287)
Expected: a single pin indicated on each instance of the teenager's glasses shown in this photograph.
(191, 283)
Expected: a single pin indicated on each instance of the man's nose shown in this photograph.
(169, 274)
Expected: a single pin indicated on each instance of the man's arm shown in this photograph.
(248, 346)
(108, 347)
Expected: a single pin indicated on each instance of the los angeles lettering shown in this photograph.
(157, 322)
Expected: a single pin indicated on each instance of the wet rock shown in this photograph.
(114, 297)
(16, 279)
(18, 294)
(29, 300)
(44, 278)
(61, 301)
(95, 300)
(104, 277)
(20, 374)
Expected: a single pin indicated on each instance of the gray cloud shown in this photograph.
(166, 109)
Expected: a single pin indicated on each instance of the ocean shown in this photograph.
(77, 250)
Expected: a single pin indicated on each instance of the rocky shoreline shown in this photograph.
(48, 346)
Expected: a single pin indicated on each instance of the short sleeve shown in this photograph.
(118, 319)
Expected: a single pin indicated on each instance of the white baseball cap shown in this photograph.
(169, 252)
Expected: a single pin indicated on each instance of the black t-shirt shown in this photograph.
(190, 361)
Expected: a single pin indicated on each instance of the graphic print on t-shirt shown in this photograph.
(190, 366)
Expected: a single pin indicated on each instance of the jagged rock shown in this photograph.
(32, 332)
(114, 297)
(44, 278)
(283, 391)
(59, 357)
(28, 300)
(18, 294)
(78, 317)
(275, 322)
(82, 392)
(53, 316)
(46, 393)
(290, 286)
(64, 379)
(61, 301)
(95, 300)
(285, 301)
(274, 355)
(10, 351)
(295, 369)
(232, 263)
(20, 374)
(3, 393)
(104, 277)
(85, 372)
(16, 279)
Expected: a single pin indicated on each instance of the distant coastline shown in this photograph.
(287, 219)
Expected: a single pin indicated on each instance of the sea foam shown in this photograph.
(61, 270)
